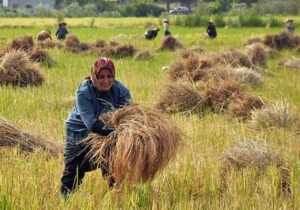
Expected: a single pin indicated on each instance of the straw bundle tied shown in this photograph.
(247, 75)
(143, 55)
(241, 108)
(17, 69)
(118, 50)
(42, 56)
(279, 114)
(143, 143)
(233, 58)
(170, 43)
(194, 51)
(47, 44)
(24, 43)
(11, 136)
(180, 96)
(72, 44)
(258, 54)
(256, 154)
(292, 62)
(253, 40)
(282, 40)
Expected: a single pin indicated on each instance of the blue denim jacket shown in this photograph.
(90, 103)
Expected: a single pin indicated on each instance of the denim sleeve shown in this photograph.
(125, 98)
(86, 109)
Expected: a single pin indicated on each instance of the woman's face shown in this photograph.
(103, 81)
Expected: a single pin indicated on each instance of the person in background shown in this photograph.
(290, 27)
(211, 30)
(61, 31)
(43, 35)
(151, 33)
(97, 94)
(166, 25)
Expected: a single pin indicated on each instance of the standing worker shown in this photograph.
(61, 31)
(166, 25)
(97, 94)
(290, 27)
(211, 30)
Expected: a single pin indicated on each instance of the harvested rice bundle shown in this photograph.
(99, 43)
(247, 75)
(114, 43)
(282, 40)
(254, 154)
(73, 44)
(241, 108)
(143, 55)
(194, 51)
(180, 96)
(47, 44)
(253, 40)
(17, 69)
(24, 43)
(233, 58)
(218, 95)
(170, 43)
(42, 56)
(143, 143)
(258, 54)
(11, 136)
(292, 62)
(278, 115)
(118, 51)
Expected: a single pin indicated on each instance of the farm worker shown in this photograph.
(151, 34)
(211, 29)
(290, 27)
(166, 25)
(97, 94)
(61, 31)
(43, 35)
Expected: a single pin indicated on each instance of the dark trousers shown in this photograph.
(77, 163)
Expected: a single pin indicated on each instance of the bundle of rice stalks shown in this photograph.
(143, 55)
(170, 43)
(254, 154)
(180, 96)
(118, 51)
(47, 44)
(253, 40)
(24, 43)
(233, 58)
(247, 75)
(241, 108)
(99, 43)
(282, 40)
(292, 62)
(17, 69)
(11, 135)
(277, 115)
(59, 45)
(143, 143)
(218, 95)
(258, 54)
(114, 43)
(195, 51)
(42, 56)
(73, 44)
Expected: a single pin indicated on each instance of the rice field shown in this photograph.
(194, 179)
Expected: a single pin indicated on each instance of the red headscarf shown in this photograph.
(104, 63)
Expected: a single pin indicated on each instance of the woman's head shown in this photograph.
(103, 74)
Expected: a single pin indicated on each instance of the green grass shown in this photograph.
(192, 181)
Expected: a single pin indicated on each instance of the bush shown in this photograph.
(191, 20)
(219, 21)
(141, 10)
(73, 10)
(274, 22)
(43, 10)
(276, 7)
(251, 21)
(233, 22)
(110, 14)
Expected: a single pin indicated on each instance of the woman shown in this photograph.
(61, 31)
(98, 94)
(211, 30)
(166, 25)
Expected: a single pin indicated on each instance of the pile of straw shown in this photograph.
(143, 143)
(247, 75)
(11, 136)
(170, 43)
(253, 40)
(24, 43)
(72, 44)
(292, 62)
(278, 115)
(194, 51)
(282, 40)
(47, 44)
(258, 54)
(180, 96)
(255, 154)
(218, 95)
(17, 69)
(241, 108)
(233, 58)
(143, 55)
(118, 51)
(42, 56)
